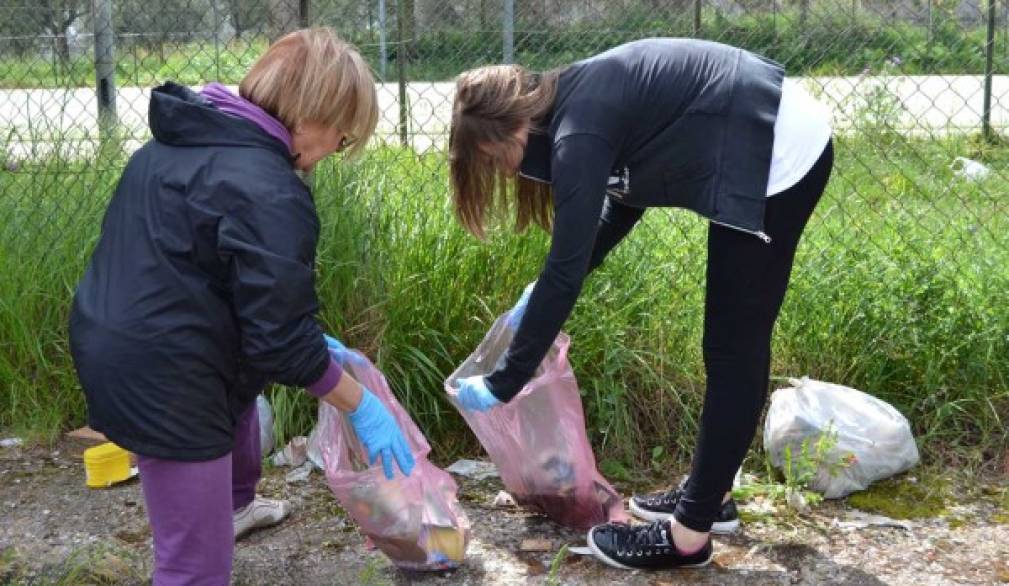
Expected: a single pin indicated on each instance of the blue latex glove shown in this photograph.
(334, 344)
(380, 435)
(339, 352)
(519, 309)
(474, 394)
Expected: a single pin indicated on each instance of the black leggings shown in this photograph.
(746, 284)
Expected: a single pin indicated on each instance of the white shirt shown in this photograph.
(801, 132)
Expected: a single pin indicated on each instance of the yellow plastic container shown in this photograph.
(106, 464)
(449, 541)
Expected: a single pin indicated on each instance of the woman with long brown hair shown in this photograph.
(583, 152)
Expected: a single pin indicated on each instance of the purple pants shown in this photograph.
(190, 507)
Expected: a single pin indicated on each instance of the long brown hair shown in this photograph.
(491, 105)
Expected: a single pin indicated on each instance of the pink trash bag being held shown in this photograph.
(416, 520)
(538, 439)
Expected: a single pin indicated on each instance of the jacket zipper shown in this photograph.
(531, 178)
(763, 236)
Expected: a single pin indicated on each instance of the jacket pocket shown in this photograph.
(690, 172)
(690, 185)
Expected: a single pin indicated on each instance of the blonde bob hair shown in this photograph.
(311, 75)
(491, 105)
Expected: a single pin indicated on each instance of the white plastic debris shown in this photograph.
(294, 453)
(504, 500)
(11, 442)
(969, 169)
(315, 447)
(862, 520)
(473, 469)
(301, 473)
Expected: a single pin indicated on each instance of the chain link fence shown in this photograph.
(64, 64)
(914, 222)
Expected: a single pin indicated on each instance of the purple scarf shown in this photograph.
(229, 103)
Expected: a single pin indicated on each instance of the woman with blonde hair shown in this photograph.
(583, 152)
(201, 292)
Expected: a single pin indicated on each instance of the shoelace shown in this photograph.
(666, 498)
(639, 540)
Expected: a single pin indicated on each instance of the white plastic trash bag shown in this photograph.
(872, 437)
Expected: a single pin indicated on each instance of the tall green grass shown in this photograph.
(899, 289)
(50, 216)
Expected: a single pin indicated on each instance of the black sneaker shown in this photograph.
(642, 547)
(659, 507)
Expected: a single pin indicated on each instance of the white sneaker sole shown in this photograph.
(615, 564)
(718, 527)
(250, 523)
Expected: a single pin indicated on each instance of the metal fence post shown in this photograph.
(931, 26)
(303, 16)
(774, 19)
(508, 32)
(989, 51)
(105, 70)
(401, 71)
(697, 17)
(383, 51)
(303, 22)
(217, 38)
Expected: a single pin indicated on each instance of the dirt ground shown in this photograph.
(54, 530)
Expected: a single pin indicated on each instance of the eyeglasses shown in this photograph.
(346, 142)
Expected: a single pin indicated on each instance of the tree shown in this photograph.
(156, 23)
(19, 27)
(409, 12)
(284, 17)
(246, 15)
(54, 17)
(438, 15)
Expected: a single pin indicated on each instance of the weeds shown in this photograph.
(798, 472)
(555, 566)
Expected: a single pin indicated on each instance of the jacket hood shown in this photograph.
(179, 116)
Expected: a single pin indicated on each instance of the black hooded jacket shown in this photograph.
(201, 290)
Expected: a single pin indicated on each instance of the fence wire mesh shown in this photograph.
(893, 62)
(914, 223)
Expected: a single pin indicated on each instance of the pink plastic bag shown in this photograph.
(538, 439)
(417, 520)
